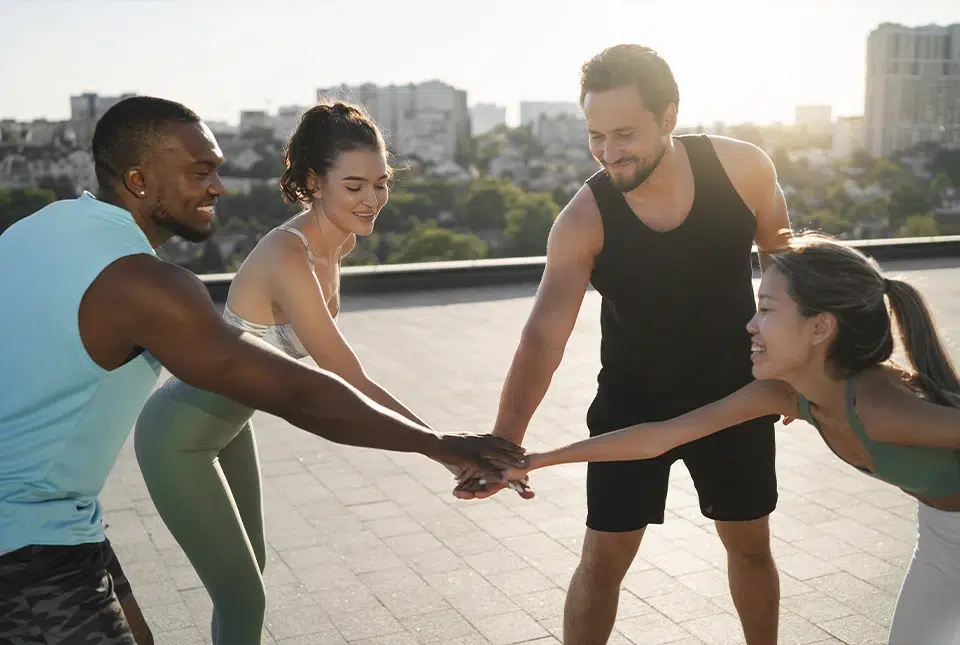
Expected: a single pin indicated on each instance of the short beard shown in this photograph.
(639, 176)
(162, 218)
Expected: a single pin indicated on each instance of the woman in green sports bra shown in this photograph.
(822, 338)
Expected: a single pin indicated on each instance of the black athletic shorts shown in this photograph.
(62, 594)
(734, 472)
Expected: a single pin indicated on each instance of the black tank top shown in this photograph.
(675, 304)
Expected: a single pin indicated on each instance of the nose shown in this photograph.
(370, 198)
(609, 154)
(752, 324)
(217, 187)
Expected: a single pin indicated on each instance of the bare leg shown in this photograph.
(754, 580)
(594, 592)
(138, 624)
(128, 602)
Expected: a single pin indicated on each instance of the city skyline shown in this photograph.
(732, 66)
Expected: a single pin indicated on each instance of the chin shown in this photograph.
(363, 229)
(761, 372)
(196, 236)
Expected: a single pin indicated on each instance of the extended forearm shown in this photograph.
(330, 408)
(643, 441)
(649, 440)
(380, 395)
(527, 382)
(317, 401)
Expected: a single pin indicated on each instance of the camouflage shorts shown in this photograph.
(61, 595)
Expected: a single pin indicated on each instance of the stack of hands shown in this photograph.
(485, 464)
(475, 484)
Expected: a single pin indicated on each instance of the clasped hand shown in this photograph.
(474, 484)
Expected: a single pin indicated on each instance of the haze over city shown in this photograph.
(739, 61)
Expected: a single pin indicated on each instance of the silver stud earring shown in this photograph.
(142, 193)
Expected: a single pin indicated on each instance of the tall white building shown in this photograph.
(912, 88)
(427, 120)
(86, 109)
(847, 136)
(286, 121)
(484, 117)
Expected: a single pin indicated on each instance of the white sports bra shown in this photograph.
(280, 336)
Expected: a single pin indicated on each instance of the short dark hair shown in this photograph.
(126, 132)
(631, 66)
(325, 131)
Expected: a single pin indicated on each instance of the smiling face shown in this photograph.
(784, 342)
(182, 178)
(354, 190)
(626, 138)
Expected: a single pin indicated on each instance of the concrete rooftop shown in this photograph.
(370, 547)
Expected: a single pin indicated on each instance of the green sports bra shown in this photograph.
(922, 470)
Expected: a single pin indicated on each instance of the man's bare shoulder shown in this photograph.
(147, 282)
(737, 151)
(749, 168)
(579, 225)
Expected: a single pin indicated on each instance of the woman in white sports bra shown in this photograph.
(196, 449)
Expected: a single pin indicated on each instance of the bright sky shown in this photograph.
(735, 60)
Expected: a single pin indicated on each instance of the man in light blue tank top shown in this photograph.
(81, 327)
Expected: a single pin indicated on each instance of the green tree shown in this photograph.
(866, 209)
(861, 159)
(439, 195)
(886, 172)
(523, 138)
(487, 203)
(488, 146)
(918, 225)
(908, 199)
(939, 186)
(17, 203)
(529, 223)
(404, 210)
(364, 253)
(61, 185)
(947, 162)
(430, 243)
(561, 196)
(831, 223)
(210, 261)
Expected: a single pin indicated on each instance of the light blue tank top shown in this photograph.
(63, 418)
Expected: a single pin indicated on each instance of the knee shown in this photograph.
(747, 543)
(750, 558)
(607, 557)
(240, 596)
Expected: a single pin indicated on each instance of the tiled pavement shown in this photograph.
(367, 547)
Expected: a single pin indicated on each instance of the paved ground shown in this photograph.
(369, 547)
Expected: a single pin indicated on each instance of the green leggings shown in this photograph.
(198, 457)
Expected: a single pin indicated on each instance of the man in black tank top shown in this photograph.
(664, 233)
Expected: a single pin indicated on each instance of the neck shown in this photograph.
(155, 235)
(329, 237)
(824, 391)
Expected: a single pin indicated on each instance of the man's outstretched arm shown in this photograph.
(167, 311)
(575, 240)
